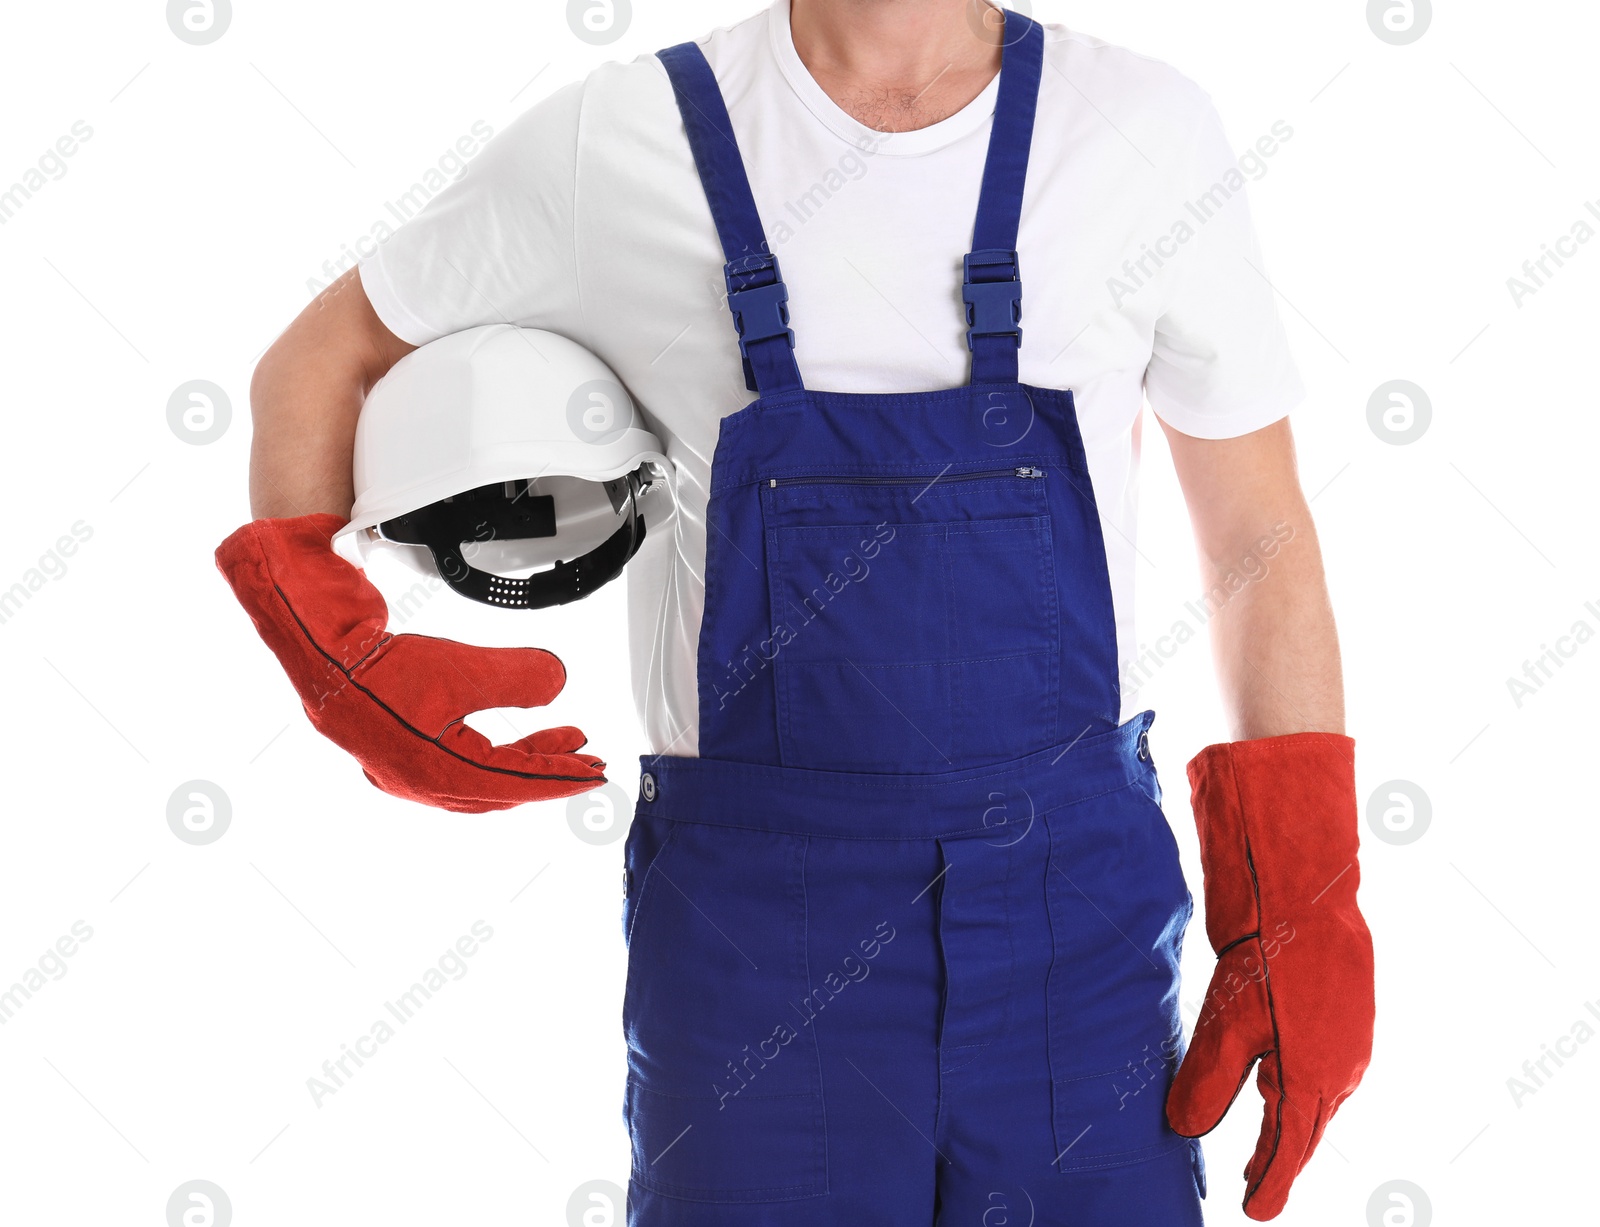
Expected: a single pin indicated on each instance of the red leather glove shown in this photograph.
(1293, 984)
(397, 702)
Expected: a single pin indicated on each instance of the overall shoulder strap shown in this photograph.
(992, 281)
(757, 296)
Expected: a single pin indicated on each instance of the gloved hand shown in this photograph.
(397, 702)
(1293, 984)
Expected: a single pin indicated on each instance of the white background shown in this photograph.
(178, 1043)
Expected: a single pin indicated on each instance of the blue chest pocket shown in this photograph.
(915, 619)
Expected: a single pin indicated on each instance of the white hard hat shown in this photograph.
(503, 450)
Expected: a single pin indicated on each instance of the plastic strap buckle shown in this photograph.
(759, 302)
(759, 299)
(992, 289)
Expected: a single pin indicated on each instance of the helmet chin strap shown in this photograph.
(487, 515)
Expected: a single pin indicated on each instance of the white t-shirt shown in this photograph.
(586, 217)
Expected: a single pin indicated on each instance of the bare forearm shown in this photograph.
(1271, 623)
(1276, 648)
(305, 398)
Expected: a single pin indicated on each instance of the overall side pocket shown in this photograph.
(647, 839)
(724, 1090)
(1118, 909)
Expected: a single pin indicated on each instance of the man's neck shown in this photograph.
(898, 65)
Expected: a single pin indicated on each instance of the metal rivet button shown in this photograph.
(647, 787)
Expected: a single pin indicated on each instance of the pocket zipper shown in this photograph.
(1025, 471)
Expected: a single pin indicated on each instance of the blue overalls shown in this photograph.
(904, 940)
